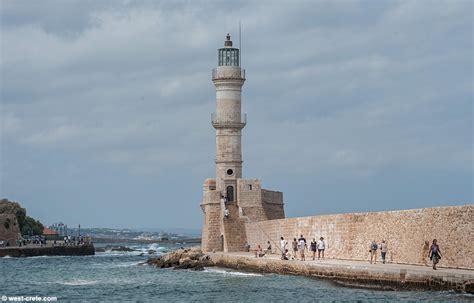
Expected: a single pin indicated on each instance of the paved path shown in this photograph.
(354, 273)
(365, 265)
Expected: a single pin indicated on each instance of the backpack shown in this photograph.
(374, 246)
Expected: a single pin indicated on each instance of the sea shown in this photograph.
(123, 277)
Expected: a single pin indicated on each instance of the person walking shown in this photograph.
(321, 247)
(226, 213)
(294, 246)
(313, 247)
(383, 250)
(283, 244)
(435, 253)
(373, 252)
(302, 247)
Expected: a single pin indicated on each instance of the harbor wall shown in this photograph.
(408, 233)
(33, 251)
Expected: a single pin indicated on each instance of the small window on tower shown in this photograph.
(230, 172)
(250, 186)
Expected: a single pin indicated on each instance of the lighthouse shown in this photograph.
(228, 119)
(229, 201)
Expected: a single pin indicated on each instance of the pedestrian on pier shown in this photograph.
(269, 248)
(321, 247)
(283, 244)
(285, 255)
(383, 250)
(302, 247)
(259, 252)
(373, 252)
(312, 247)
(435, 253)
(294, 246)
(226, 213)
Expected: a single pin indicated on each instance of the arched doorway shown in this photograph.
(230, 193)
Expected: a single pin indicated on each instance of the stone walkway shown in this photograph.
(355, 272)
(365, 265)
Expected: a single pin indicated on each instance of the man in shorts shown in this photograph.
(302, 247)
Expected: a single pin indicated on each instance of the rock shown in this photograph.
(469, 287)
(151, 251)
(182, 259)
(100, 249)
(122, 248)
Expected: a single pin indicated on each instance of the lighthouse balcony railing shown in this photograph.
(228, 120)
(228, 74)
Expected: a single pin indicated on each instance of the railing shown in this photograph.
(229, 120)
(228, 74)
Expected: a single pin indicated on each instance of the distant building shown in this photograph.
(50, 232)
(60, 227)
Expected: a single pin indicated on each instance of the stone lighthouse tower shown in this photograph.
(228, 200)
(228, 119)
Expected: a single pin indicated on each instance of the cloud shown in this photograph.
(114, 98)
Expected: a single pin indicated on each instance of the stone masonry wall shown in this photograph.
(211, 233)
(9, 228)
(250, 199)
(409, 234)
(273, 204)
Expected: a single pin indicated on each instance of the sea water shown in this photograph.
(121, 276)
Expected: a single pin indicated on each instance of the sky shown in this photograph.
(353, 106)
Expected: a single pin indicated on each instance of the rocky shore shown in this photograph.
(348, 273)
(191, 258)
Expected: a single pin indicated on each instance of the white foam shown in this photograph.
(128, 264)
(230, 273)
(78, 282)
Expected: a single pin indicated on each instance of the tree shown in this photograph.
(32, 227)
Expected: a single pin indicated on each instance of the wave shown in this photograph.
(137, 250)
(78, 282)
(229, 272)
(128, 264)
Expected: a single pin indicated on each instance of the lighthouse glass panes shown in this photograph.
(229, 57)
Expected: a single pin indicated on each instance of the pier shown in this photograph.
(47, 250)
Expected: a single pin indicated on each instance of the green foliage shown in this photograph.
(27, 224)
(32, 227)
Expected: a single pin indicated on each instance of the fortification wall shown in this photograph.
(9, 228)
(211, 230)
(272, 202)
(408, 233)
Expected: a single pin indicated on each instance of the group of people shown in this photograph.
(434, 252)
(299, 246)
(373, 251)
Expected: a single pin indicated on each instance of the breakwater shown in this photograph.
(33, 251)
(344, 272)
